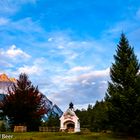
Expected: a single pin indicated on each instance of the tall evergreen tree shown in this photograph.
(23, 105)
(123, 94)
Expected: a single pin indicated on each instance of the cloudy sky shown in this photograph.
(66, 46)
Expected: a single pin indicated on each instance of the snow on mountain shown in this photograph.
(51, 109)
(5, 82)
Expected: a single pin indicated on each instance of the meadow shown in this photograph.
(59, 136)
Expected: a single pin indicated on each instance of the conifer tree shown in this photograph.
(123, 94)
(53, 120)
(23, 105)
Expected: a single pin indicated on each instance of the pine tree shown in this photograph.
(23, 105)
(53, 120)
(123, 90)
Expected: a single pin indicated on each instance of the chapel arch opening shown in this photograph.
(69, 125)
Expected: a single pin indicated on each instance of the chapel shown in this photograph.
(69, 122)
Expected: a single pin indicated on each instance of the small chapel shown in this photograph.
(69, 122)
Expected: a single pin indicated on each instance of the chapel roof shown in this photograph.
(69, 112)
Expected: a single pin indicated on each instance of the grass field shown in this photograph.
(57, 136)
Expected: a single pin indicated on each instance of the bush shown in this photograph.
(2, 127)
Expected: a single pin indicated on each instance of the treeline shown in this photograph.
(53, 121)
(95, 118)
(120, 109)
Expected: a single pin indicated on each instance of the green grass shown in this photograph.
(60, 136)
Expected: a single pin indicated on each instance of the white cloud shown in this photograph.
(85, 82)
(26, 25)
(88, 77)
(82, 106)
(16, 52)
(61, 47)
(15, 61)
(3, 21)
(126, 25)
(96, 73)
(5, 63)
(81, 89)
(11, 57)
(35, 69)
(103, 82)
(50, 39)
(74, 51)
(30, 70)
(80, 68)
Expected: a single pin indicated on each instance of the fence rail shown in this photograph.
(48, 129)
(20, 128)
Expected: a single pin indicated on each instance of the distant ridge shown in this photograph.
(51, 109)
(5, 78)
(5, 82)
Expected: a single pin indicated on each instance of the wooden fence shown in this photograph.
(49, 129)
(20, 129)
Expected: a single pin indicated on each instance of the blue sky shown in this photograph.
(66, 46)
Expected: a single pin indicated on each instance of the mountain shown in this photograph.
(51, 109)
(57, 110)
(5, 78)
(6, 82)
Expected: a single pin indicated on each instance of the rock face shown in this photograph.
(5, 78)
(51, 109)
(6, 82)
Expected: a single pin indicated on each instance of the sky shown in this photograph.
(66, 46)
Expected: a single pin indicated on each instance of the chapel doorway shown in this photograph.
(70, 126)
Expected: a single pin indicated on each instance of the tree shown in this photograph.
(53, 120)
(123, 93)
(84, 117)
(24, 105)
(95, 118)
(99, 120)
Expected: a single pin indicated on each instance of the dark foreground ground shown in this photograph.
(59, 136)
